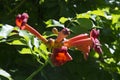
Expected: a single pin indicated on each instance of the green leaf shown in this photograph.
(24, 34)
(28, 37)
(63, 19)
(81, 25)
(5, 74)
(41, 1)
(25, 51)
(1, 24)
(43, 51)
(53, 23)
(85, 23)
(5, 30)
(36, 42)
(117, 26)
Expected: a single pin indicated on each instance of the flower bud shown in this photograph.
(94, 33)
(50, 42)
(21, 20)
(63, 34)
(55, 31)
(96, 43)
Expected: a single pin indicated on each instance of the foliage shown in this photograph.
(22, 54)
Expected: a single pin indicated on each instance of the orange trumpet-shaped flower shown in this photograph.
(79, 37)
(78, 42)
(60, 56)
(21, 22)
(76, 38)
(85, 49)
(82, 42)
(82, 39)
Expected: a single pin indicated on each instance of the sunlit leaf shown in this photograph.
(28, 37)
(117, 26)
(24, 33)
(36, 42)
(53, 23)
(41, 1)
(63, 19)
(25, 51)
(5, 74)
(1, 24)
(17, 42)
(5, 30)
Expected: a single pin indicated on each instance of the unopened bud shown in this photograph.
(63, 34)
(55, 31)
(66, 31)
(94, 33)
(51, 42)
(25, 15)
(21, 20)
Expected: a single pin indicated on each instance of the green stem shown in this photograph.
(36, 72)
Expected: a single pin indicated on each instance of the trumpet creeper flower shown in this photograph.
(82, 42)
(60, 56)
(21, 22)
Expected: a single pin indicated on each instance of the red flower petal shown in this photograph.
(96, 43)
(98, 49)
(94, 33)
(79, 37)
(85, 49)
(77, 40)
(21, 20)
(82, 42)
(60, 56)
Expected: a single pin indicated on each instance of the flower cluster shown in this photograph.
(60, 45)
